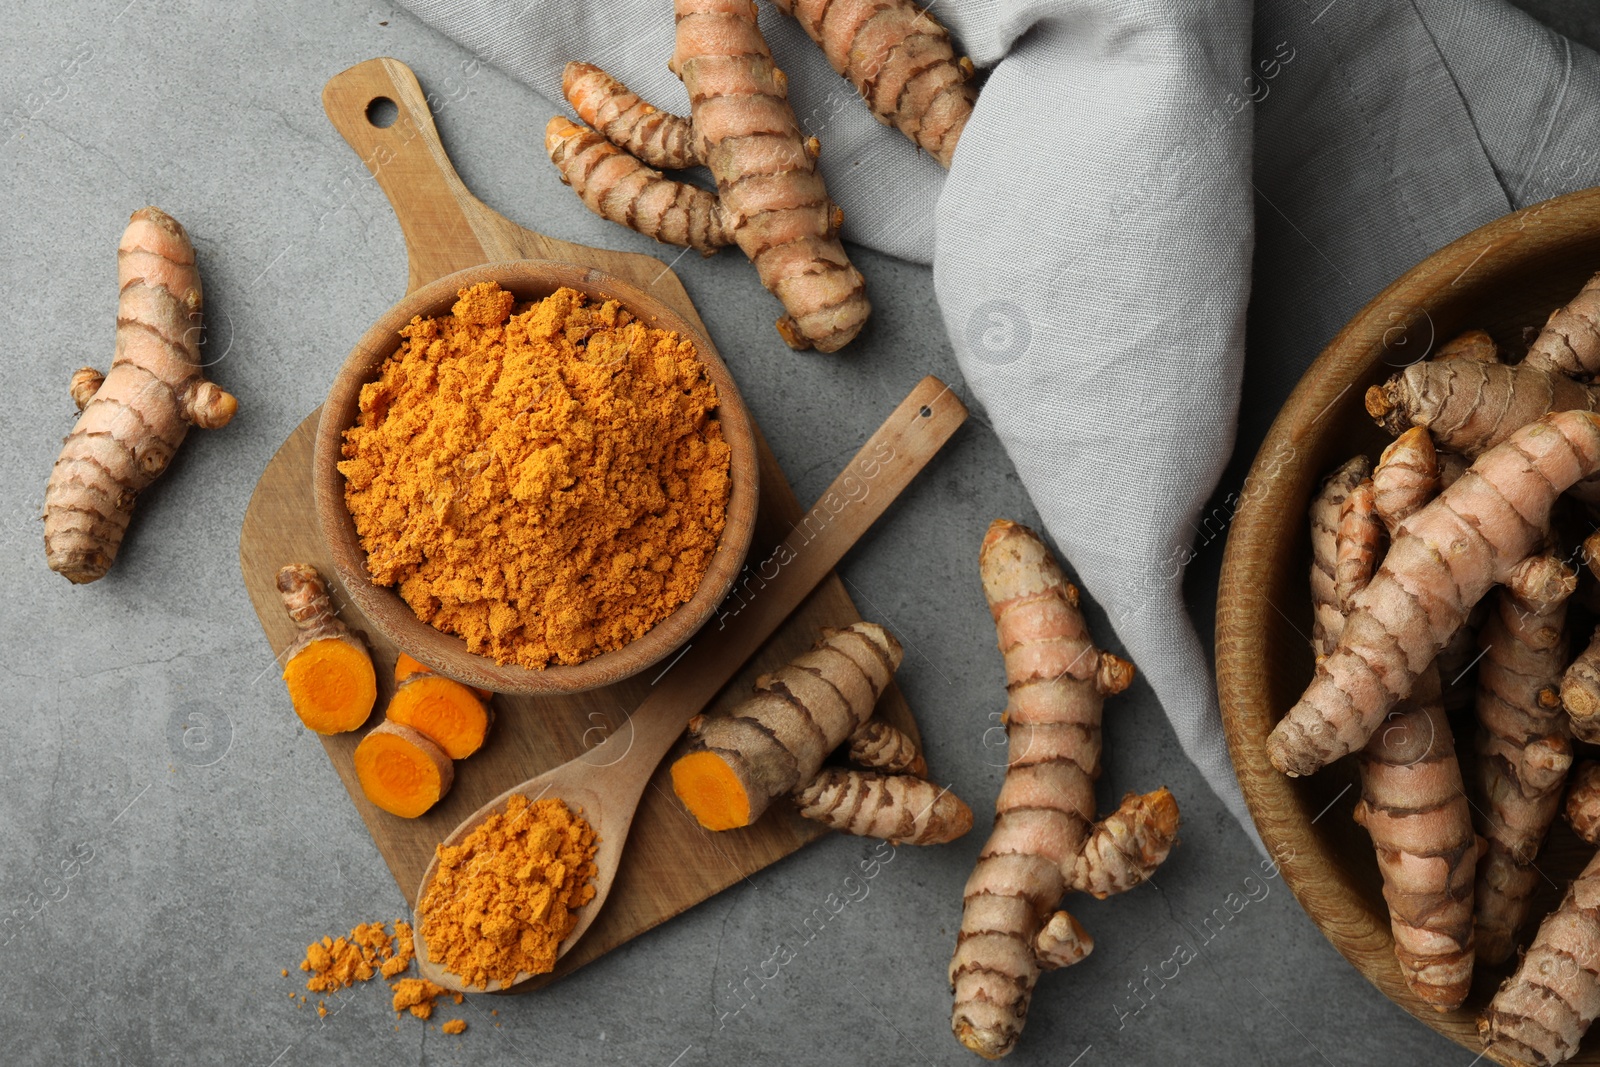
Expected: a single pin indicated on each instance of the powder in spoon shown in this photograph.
(502, 900)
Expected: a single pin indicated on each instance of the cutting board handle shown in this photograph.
(410, 165)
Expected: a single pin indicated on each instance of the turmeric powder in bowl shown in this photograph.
(547, 482)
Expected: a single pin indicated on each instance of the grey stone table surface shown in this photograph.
(170, 837)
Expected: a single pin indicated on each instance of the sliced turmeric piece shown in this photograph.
(401, 771)
(405, 667)
(444, 711)
(329, 672)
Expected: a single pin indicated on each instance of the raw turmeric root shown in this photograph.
(1580, 686)
(1570, 341)
(328, 671)
(1359, 545)
(401, 771)
(1412, 803)
(898, 808)
(1127, 846)
(653, 137)
(737, 764)
(1442, 561)
(1583, 801)
(1407, 477)
(444, 711)
(617, 187)
(1540, 1014)
(1523, 747)
(1469, 407)
(135, 417)
(900, 60)
(878, 746)
(770, 199)
(1327, 511)
(1045, 839)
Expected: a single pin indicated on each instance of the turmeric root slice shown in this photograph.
(442, 710)
(1540, 1014)
(737, 764)
(879, 746)
(401, 771)
(329, 672)
(405, 667)
(895, 807)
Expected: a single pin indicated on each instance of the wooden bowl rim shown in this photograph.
(447, 653)
(1325, 890)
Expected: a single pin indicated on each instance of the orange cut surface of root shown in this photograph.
(401, 771)
(711, 791)
(332, 685)
(405, 667)
(444, 711)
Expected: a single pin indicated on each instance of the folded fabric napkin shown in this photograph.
(1092, 242)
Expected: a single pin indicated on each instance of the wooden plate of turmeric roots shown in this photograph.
(1411, 583)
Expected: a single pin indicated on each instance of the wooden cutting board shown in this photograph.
(671, 863)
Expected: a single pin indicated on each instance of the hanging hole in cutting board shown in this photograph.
(382, 112)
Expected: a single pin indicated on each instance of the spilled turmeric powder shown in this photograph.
(548, 484)
(502, 900)
(335, 963)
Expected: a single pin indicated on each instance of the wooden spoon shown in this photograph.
(607, 782)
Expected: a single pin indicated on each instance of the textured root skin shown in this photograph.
(138, 414)
(1540, 1014)
(878, 746)
(1523, 746)
(901, 61)
(1359, 544)
(1127, 846)
(1570, 342)
(897, 808)
(1057, 681)
(655, 138)
(1413, 805)
(617, 187)
(1470, 406)
(1580, 692)
(390, 745)
(776, 740)
(1406, 478)
(1583, 801)
(1442, 561)
(1327, 511)
(776, 206)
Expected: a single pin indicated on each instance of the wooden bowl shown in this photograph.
(447, 653)
(1504, 277)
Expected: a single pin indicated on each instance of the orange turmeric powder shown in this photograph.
(548, 483)
(502, 900)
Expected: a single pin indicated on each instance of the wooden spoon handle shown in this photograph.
(410, 165)
(769, 590)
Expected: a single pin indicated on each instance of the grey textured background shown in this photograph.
(170, 837)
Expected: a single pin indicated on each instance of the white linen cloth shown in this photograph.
(1092, 242)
